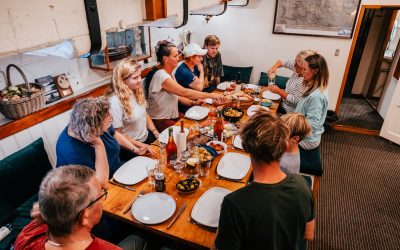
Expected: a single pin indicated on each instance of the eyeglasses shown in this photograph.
(103, 195)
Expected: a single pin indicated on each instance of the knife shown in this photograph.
(122, 185)
(177, 215)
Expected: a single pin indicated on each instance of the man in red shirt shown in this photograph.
(71, 204)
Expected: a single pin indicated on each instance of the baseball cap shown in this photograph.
(193, 49)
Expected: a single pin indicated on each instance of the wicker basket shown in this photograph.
(15, 109)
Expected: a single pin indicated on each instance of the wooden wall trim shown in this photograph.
(349, 59)
(30, 120)
(350, 129)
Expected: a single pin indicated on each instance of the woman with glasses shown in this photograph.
(91, 140)
(65, 217)
(128, 106)
(294, 90)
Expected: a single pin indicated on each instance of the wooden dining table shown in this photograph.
(183, 230)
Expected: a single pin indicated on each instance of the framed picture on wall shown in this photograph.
(329, 18)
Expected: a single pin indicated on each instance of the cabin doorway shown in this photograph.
(365, 94)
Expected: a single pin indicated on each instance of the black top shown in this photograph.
(266, 216)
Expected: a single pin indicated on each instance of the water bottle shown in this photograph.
(5, 230)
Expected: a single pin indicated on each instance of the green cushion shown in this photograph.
(23, 219)
(280, 81)
(310, 161)
(22, 172)
(7, 211)
(230, 73)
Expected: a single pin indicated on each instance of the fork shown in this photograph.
(141, 193)
(218, 177)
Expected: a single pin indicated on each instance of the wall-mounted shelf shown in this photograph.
(242, 3)
(214, 10)
(171, 21)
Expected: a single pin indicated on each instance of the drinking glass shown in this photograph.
(150, 175)
(205, 168)
(162, 153)
(271, 80)
(232, 86)
(195, 129)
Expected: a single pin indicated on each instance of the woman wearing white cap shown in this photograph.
(190, 72)
(164, 91)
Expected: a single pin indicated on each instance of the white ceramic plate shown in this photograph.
(197, 112)
(269, 95)
(250, 86)
(164, 135)
(133, 171)
(222, 85)
(237, 142)
(207, 208)
(233, 166)
(254, 108)
(208, 101)
(153, 208)
(220, 143)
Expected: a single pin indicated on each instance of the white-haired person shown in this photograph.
(190, 73)
(70, 205)
(291, 95)
(164, 92)
(90, 140)
(128, 105)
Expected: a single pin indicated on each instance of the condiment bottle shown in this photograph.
(159, 183)
(219, 126)
(181, 140)
(171, 149)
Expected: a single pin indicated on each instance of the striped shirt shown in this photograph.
(294, 87)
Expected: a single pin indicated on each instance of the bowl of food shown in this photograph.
(187, 186)
(231, 114)
(206, 153)
(218, 146)
(266, 102)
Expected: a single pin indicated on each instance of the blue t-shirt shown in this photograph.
(184, 76)
(70, 150)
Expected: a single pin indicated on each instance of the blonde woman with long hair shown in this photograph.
(128, 105)
(314, 102)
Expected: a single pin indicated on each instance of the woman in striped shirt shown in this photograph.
(294, 88)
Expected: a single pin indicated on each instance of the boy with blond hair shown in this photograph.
(299, 128)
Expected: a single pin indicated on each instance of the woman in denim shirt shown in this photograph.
(314, 103)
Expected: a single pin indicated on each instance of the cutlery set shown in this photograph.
(218, 177)
(112, 181)
(141, 193)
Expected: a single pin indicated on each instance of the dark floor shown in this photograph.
(357, 112)
(358, 200)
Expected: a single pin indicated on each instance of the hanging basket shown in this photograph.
(15, 108)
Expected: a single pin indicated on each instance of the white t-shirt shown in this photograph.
(133, 126)
(162, 105)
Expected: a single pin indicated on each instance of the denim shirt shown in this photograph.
(314, 107)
